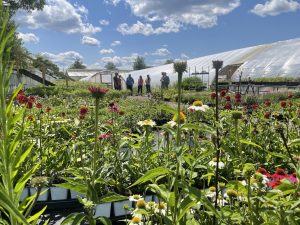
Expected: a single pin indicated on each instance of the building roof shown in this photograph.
(269, 60)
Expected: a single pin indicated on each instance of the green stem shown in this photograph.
(94, 160)
(249, 199)
(287, 148)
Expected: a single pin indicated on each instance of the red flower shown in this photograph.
(104, 136)
(31, 98)
(213, 95)
(228, 106)
(29, 105)
(238, 95)
(262, 171)
(222, 93)
(98, 92)
(290, 95)
(267, 115)
(83, 110)
(48, 109)
(267, 103)
(39, 105)
(274, 183)
(280, 171)
(113, 107)
(283, 104)
(22, 99)
(254, 106)
(227, 98)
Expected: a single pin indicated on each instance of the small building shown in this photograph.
(95, 75)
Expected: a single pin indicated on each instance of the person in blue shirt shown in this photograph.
(129, 83)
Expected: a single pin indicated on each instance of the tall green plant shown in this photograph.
(13, 151)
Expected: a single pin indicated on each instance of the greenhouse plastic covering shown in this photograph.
(270, 60)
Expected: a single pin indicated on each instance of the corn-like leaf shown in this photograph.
(151, 174)
(37, 215)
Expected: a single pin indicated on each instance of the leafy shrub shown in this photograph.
(192, 83)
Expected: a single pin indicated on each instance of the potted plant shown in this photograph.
(38, 187)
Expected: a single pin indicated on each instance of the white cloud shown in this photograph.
(120, 62)
(114, 2)
(86, 40)
(184, 56)
(58, 15)
(115, 43)
(161, 52)
(107, 51)
(63, 59)
(174, 14)
(29, 38)
(147, 28)
(104, 22)
(275, 7)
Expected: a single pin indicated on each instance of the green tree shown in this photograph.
(139, 63)
(77, 64)
(169, 61)
(45, 64)
(24, 4)
(110, 66)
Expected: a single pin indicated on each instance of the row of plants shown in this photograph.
(233, 162)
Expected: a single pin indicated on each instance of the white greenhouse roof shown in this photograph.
(276, 59)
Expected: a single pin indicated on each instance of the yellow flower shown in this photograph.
(181, 116)
(141, 204)
(197, 103)
(136, 220)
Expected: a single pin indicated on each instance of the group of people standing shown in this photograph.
(141, 82)
(165, 81)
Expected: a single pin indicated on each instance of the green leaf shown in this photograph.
(168, 109)
(73, 219)
(112, 197)
(37, 215)
(7, 204)
(104, 220)
(185, 205)
(250, 143)
(151, 174)
(294, 142)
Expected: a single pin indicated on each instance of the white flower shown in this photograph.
(149, 122)
(135, 198)
(171, 123)
(202, 108)
(244, 183)
(161, 208)
(214, 164)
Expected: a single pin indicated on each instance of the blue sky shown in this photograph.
(101, 31)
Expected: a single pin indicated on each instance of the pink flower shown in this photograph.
(227, 98)
(104, 136)
(228, 106)
(222, 93)
(113, 107)
(83, 110)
